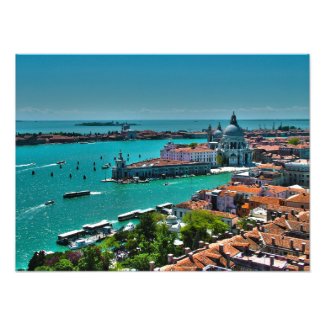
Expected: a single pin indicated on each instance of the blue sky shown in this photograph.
(110, 87)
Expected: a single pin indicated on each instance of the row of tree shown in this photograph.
(151, 240)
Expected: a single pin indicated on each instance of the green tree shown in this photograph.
(294, 141)
(140, 262)
(37, 260)
(163, 244)
(200, 225)
(63, 265)
(192, 145)
(245, 223)
(91, 260)
(43, 268)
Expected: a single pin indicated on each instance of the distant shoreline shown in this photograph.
(104, 124)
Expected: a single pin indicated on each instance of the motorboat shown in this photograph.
(49, 202)
(129, 227)
(165, 184)
(60, 162)
(81, 243)
(75, 194)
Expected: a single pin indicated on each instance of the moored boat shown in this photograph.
(82, 242)
(106, 166)
(129, 227)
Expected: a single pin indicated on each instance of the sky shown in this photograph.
(113, 87)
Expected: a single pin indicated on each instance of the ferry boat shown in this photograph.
(75, 194)
(49, 202)
(82, 242)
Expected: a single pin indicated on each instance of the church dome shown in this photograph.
(217, 134)
(233, 130)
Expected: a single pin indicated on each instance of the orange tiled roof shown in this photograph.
(193, 205)
(299, 198)
(265, 200)
(244, 189)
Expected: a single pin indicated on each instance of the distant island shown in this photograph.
(104, 124)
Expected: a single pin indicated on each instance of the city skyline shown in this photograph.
(153, 87)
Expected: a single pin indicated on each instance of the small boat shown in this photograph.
(82, 242)
(60, 162)
(49, 202)
(166, 184)
(129, 227)
(106, 166)
(75, 194)
(83, 142)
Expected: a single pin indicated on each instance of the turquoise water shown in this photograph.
(156, 125)
(37, 225)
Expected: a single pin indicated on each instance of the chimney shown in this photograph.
(207, 245)
(221, 248)
(291, 244)
(187, 250)
(214, 239)
(297, 251)
(293, 212)
(286, 215)
(228, 260)
(273, 241)
(271, 260)
(301, 227)
(301, 266)
(201, 244)
(303, 247)
(190, 255)
(170, 258)
(151, 265)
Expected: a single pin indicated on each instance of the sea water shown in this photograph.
(37, 224)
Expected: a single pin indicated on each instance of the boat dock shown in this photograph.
(97, 231)
(136, 213)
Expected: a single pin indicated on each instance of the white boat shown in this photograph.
(82, 242)
(106, 166)
(49, 202)
(129, 227)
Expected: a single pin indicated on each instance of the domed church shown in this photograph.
(230, 144)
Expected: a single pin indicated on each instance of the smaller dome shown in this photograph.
(217, 134)
(233, 130)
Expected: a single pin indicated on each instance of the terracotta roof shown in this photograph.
(224, 193)
(284, 241)
(158, 162)
(193, 205)
(299, 198)
(225, 215)
(269, 166)
(265, 200)
(244, 189)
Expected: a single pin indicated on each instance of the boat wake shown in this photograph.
(49, 165)
(38, 167)
(96, 193)
(25, 165)
(27, 212)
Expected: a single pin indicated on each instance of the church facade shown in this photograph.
(230, 145)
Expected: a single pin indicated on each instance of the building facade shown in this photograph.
(230, 145)
(157, 168)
